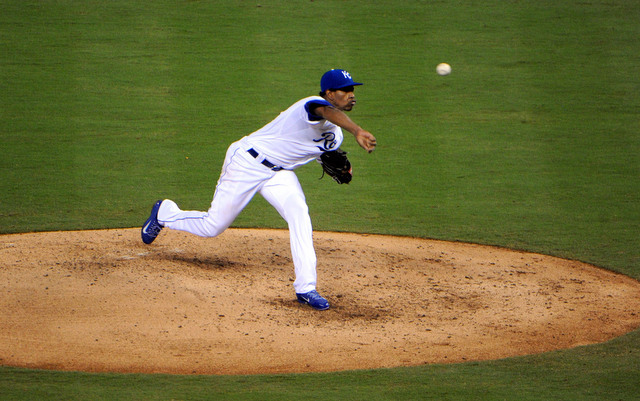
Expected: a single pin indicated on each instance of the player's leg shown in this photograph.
(240, 179)
(284, 192)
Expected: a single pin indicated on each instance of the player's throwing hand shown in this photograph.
(366, 140)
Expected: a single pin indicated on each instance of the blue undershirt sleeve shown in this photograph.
(310, 106)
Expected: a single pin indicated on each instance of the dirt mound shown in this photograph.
(103, 301)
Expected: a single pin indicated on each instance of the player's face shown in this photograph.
(343, 98)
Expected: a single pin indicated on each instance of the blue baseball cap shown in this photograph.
(336, 79)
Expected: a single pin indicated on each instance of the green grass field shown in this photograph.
(533, 143)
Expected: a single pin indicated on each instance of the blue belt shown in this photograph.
(265, 162)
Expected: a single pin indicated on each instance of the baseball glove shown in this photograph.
(336, 164)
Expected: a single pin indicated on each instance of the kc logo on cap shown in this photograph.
(336, 79)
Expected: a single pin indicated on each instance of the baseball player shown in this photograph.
(264, 162)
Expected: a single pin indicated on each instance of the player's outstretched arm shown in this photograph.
(365, 139)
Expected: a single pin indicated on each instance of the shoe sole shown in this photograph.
(152, 217)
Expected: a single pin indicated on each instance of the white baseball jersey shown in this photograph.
(296, 136)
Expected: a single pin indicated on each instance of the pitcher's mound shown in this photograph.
(102, 301)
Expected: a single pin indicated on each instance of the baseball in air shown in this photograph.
(443, 69)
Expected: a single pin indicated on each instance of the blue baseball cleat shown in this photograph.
(151, 227)
(313, 299)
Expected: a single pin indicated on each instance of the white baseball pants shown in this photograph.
(242, 176)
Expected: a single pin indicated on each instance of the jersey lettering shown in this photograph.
(329, 141)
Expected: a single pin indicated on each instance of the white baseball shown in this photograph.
(443, 69)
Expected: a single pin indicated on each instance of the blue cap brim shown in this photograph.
(347, 85)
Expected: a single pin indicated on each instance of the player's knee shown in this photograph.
(211, 228)
(296, 209)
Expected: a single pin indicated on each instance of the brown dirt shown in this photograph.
(101, 301)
